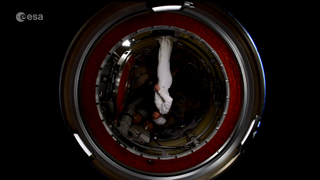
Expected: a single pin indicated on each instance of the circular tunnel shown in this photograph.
(218, 90)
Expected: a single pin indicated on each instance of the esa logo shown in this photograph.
(21, 17)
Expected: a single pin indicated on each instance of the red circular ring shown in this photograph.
(90, 73)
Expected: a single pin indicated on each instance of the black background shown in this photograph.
(35, 143)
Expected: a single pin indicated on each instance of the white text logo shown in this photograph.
(21, 17)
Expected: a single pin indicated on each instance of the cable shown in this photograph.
(177, 117)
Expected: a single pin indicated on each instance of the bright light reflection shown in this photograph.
(84, 147)
(166, 8)
(248, 132)
(126, 43)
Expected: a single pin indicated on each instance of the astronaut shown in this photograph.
(162, 99)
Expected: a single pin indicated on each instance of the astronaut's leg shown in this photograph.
(164, 73)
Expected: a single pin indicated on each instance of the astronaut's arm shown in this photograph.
(165, 107)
